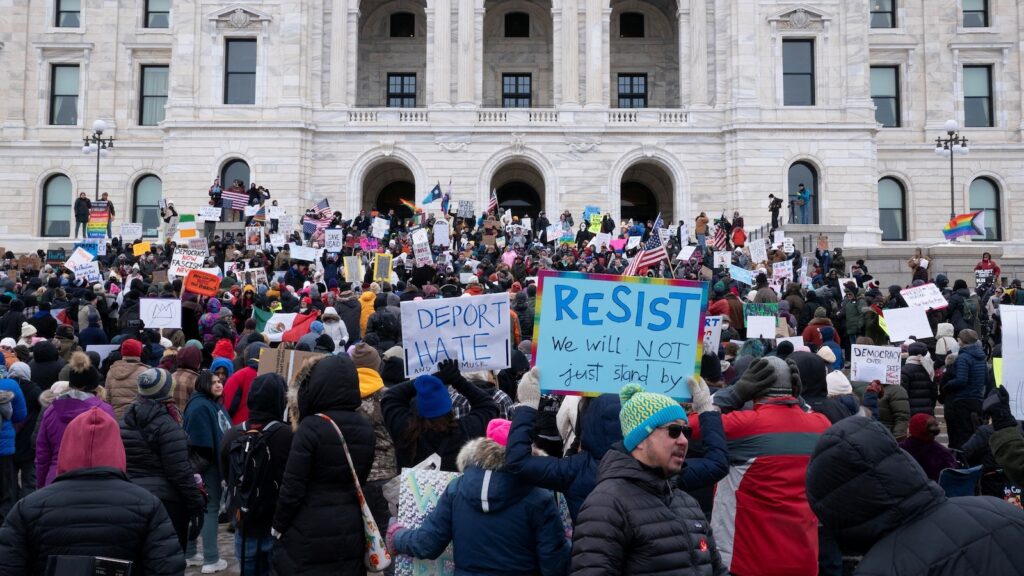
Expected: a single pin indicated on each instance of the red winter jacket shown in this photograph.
(762, 522)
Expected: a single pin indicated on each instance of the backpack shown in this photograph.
(251, 488)
(969, 310)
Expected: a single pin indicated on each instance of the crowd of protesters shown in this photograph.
(782, 463)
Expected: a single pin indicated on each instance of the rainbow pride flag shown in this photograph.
(408, 204)
(969, 224)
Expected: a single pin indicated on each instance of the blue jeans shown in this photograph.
(805, 213)
(259, 551)
(701, 242)
(209, 532)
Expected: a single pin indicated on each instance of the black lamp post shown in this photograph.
(96, 143)
(951, 146)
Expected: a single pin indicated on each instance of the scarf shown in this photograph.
(925, 362)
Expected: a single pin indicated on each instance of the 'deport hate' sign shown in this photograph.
(595, 333)
(475, 330)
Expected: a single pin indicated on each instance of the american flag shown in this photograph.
(718, 242)
(322, 219)
(492, 204)
(235, 200)
(651, 253)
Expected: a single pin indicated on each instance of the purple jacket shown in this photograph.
(51, 430)
(932, 456)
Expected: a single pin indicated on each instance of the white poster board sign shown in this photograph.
(334, 239)
(208, 214)
(90, 271)
(722, 259)
(904, 323)
(758, 252)
(761, 327)
(465, 209)
(474, 332)
(880, 363)
(926, 296)
(782, 270)
(79, 257)
(277, 240)
(160, 312)
(380, 228)
(1013, 356)
(712, 334)
(304, 253)
(684, 253)
(183, 260)
(131, 231)
(275, 212)
(441, 235)
(103, 350)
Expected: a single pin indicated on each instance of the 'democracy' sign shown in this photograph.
(475, 331)
(880, 363)
(185, 259)
(594, 333)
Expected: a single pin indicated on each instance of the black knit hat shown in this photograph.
(82, 376)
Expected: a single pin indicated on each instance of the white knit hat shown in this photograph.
(827, 355)
(837, 383)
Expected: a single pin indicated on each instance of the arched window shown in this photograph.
(802, 173)
(402, 25)
(892, 215)
(145, 204)
(56, 215)
(234, 170)
(985, 196)
(517, 25)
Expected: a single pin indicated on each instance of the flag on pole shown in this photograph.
(235, 200)
(965, 225)
(408, 205)
(492, 204)
(311, 223)
(651, 253)
(434, 194)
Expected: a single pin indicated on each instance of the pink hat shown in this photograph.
(497, 430)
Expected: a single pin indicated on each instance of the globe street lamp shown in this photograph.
(951, 146)
(96, 143)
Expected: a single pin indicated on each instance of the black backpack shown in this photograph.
(252, 490)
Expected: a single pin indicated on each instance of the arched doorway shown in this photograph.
(803, 174)
(385, 186)
(520, 189)
(646, 191)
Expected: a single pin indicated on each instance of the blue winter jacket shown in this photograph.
(970, 372)
(497, 524)
(19, 414)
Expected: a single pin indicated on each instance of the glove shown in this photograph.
(758, 377)
(529, 389)
(701, 395)
(275, 534)
(393, 527)
(876, 387)
(997, 407)
(449, 373)
(195, 525)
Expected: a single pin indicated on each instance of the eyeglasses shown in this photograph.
(674, 430)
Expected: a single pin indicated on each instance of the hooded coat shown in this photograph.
(46, 364)
(876, 501)
(496, 523)
(318, 512)
(637, 522)
(52, 426)
(366, 300)
(122, 383)
(189, 360)
(386, 324)
(970, 372)
(350, 311)
(91, 510)
(815, 388)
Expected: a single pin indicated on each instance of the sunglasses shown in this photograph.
(674, 430)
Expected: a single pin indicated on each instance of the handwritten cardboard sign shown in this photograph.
(925, 296)
(594, 333)
(131, 231)
(880, 363)
(475, 331)
(185, 259)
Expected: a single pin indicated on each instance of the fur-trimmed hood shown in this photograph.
(484, 484)
(481, 453)
(321, 384)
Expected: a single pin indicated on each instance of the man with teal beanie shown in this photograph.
(636, 521)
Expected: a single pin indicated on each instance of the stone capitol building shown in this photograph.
(639, 107)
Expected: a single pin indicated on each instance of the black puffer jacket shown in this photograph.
(349, 309)
(62, 519)
(386, 324)
(636, 522)
(815, 388)
(921, 390)
(156, 450)
(46, 364)
(317, 509)
(876, 500)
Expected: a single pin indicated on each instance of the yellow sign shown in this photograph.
(140, 248)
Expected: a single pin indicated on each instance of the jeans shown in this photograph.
(209, 532)
(82, 225)
(701, 241)
(805, 213)
(209, 230)
(110, 224)
(259, 551)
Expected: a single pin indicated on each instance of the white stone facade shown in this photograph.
(716, 135)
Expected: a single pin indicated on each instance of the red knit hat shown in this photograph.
(224, 349)
(918, 427)
(92, 440)
(131, 348)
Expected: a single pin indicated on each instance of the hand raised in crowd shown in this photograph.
(529, 389)
(701, 395)
(997, 407)
(449, 373)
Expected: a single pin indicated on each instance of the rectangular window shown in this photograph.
(632, 90)
(798, 72)
(240, 72)
(69, 13)
(153, 95)
(978, 97)
(975, 13)
(402, 25)
(885, 91)
(516, 90)
(883, 14)
(401, 90)
(158, 13)
(517, 25)
(631, 25)
(64, 95)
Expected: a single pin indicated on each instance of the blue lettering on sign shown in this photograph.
(658, 313)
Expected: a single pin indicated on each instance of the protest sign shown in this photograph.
(140, 248)
(527, 224)
(209, 214)
(199, 243)
(103, 350)
(684, 253)
(368, 244)
(796, 341)
(90, 246)
(712, 333)
(382, 267)
(275, 212)
(98, 218)
(554, 232)
(925, 296)
(160, 312)
(982, 277)
(594, 334)
(634, 241)
(183, 260)
(78, 256)
(466, 277)
(251, 211)
(723, 258)
(353, 269)
(90, 271)
(589, 210)
(761, 327)
(282, 361)
(334, 240)
(782, 271)
(601, 241)
(253, 237)
(441, 235)
(758, 252)
(277, 240)
(665, 235)
(763, 309)
(875, 363)
(55, 257)
(421, 248)
(474, 332)
(418, 494)
(465, 209)
(202, 283)
(1013, 357)
(904, 323)
(595, 223)
(131, 231)
(380, 228)
(741, 275)
(788, 246)
(304, 253)
(777, 237)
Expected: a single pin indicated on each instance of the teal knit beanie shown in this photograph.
(642, 412)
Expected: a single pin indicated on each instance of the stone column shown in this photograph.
(439, 20)
(467, 55)
(698, 53)
(596, 43)
(570, 53)
(340, 73)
